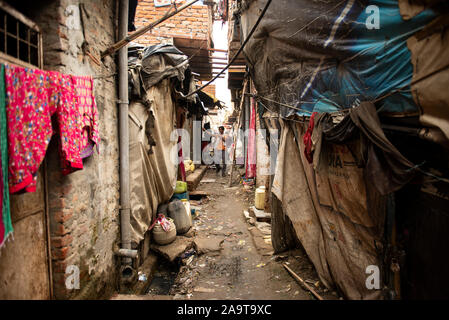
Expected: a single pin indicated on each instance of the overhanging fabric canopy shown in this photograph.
(322, 56)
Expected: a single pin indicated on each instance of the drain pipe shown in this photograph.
(123, 104)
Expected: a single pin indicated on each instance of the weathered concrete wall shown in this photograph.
(84, 206)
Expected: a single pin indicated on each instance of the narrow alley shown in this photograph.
(232, 258)
(191, 150)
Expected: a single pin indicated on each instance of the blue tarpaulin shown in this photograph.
(322, 56)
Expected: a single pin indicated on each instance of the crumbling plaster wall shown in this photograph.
(84, 206)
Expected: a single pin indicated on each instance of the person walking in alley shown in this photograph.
(220, 151)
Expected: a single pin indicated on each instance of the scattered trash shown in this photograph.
(302, 282)
(208, 180)
(260, 265)
(203, 290)
(188, 260)
(188, 253)
(142, 276)
(241, 243)
(248, 182)
(285, 290)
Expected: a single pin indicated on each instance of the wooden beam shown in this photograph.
(219, 58)
(200, 63)
(208, 49)
(302, 282)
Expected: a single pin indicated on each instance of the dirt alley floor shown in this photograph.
(239, 270)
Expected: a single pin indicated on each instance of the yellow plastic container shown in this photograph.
(181, 187)
(259, 201)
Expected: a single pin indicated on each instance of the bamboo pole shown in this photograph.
(120, 44)
(235, 135)
(302, 282)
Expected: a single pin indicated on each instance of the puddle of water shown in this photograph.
(163, 279)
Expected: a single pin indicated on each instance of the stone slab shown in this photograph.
(207, 245)
(259, 242)
(175, 249)
(261, 215)
(194, 178)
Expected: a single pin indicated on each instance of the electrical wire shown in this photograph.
(280, 103)
(239, 51)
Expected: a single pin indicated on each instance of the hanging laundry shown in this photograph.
(33, 97)
(6, 228)
(308, 138)
(88, 114)
(28, 110)
(63, 88)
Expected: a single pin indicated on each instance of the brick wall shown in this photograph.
(194, 22)
(84, 206)
(210, 89)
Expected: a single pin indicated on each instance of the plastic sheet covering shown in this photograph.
(385, 167)
(429, 49)
(152, 169)
(162, 61)
(337, 216)
(321, 56)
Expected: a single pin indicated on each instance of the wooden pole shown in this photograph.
(302, 282)
(120, 44)
(235, 135)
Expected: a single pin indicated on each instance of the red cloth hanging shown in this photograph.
(251, 155)
(308, 139)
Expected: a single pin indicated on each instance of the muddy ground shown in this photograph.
(245, 267)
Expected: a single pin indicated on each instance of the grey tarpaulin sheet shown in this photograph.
(337, 216)
(162, 61)
(152, 175)
(385, 167)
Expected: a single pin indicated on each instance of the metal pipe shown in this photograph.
(123, 104)
(126, 253)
